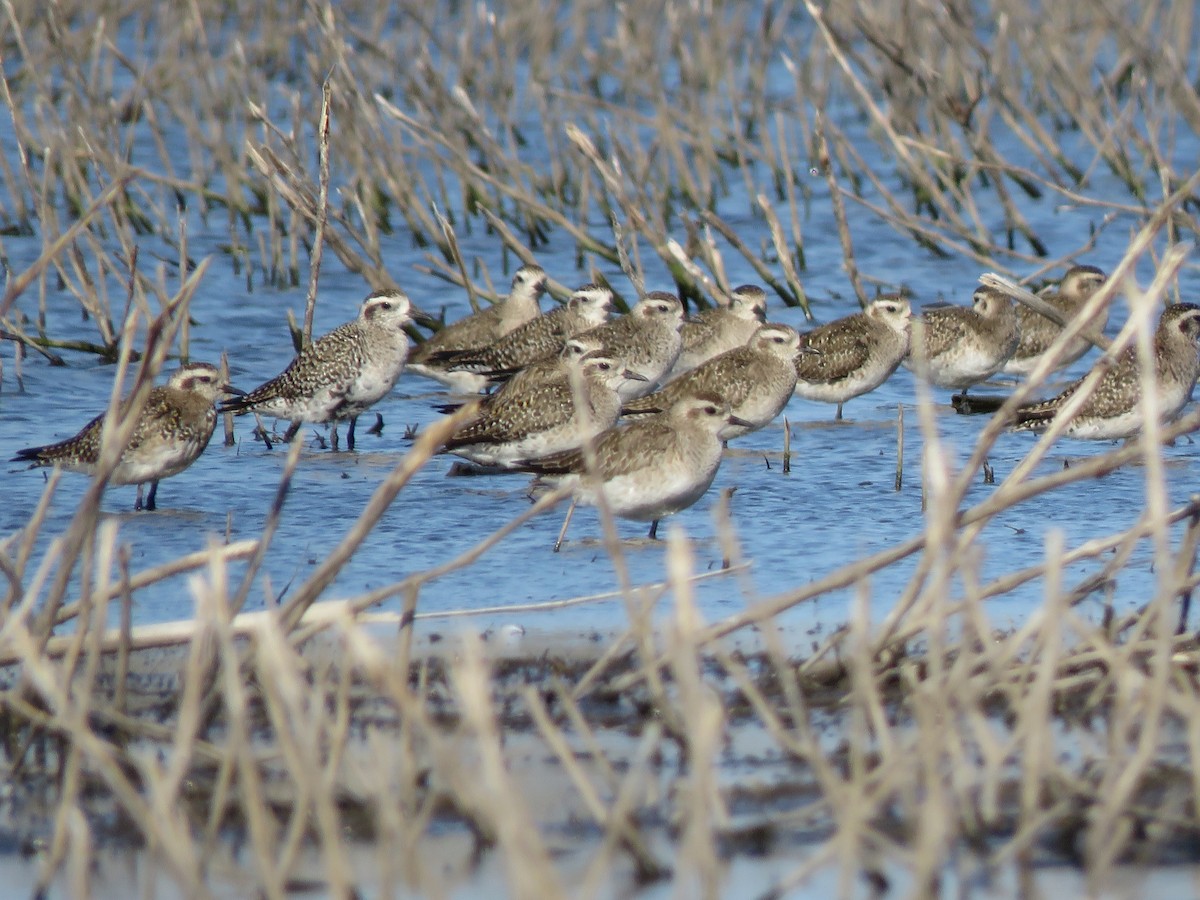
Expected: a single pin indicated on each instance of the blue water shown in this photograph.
(837, 504)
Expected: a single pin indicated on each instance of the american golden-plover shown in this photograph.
(646, 338)
(855, 354)
(172, 430)
(755, 379)
(1038, 332)
(964, 345)
(542, 336)
(479, 330)
(537, 417)
(341, 375)
(649, 469)
(713, 331)
(1114, 409)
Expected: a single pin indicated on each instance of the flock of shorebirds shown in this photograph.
(558, 383)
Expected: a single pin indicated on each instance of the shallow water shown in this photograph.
(836, 505)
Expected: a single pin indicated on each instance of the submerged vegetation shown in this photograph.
(921, 754)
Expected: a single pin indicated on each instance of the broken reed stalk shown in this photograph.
(318, 246)
(226, 418)
(826, 165)
(787, 446)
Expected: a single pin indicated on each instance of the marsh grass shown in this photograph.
(926, 751)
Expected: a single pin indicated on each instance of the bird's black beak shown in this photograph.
(425, 320)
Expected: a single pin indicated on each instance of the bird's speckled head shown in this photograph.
(661, 306)
(592, 301)
(1184, 318)
(578, 346)
(706, 409)
(893, 310)
(198, 378)
(529, 280)
(607, 369)
(991, 303)
(749, 301)
(779, 340)
(1081, 282)
(388, 308)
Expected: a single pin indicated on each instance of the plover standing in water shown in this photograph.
(646, 338)
(172, 430)
(536, 372)
(542, 336)
(341, 375)
(533, 418)
(649, 469)
(756, 380)
(964, 345)
(479, 330)
(547, 366)
(1114, 410)
(855, 354)
(713, 331)
(1038, 332)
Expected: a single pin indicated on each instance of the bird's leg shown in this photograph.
(838, 417)
(350, 433)
(333, 438)
(562, 532)
(654, 530)
(261, 431)
(291, 432)
(137, 504)
(150, 505)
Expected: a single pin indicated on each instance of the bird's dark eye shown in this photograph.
(710, 410)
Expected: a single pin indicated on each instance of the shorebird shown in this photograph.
(756, 380)
(536, 372)
(479, 330)
(1038, 332)
(341, 375)
(964, 345)
(855, 354)
(649, 469)
(173, 428)
(1114, 410)
(713, 331)
(534, 418)
(646, 338)
(542, 336)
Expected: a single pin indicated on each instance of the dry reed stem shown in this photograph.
(318, 247)
(527, 863)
